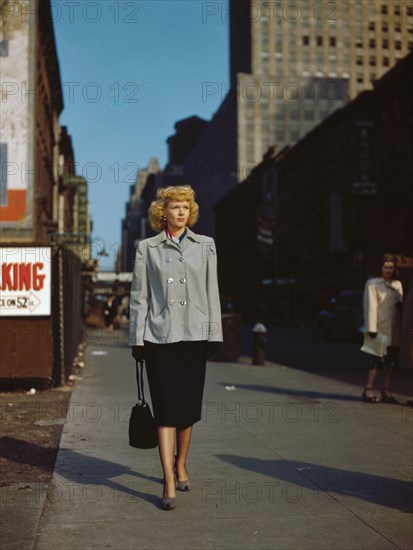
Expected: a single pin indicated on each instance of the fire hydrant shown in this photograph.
(259, 344)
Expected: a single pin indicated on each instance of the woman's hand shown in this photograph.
(138, 353)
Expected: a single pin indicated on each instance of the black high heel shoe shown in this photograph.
(385, 398)
(168, 503)
(367, 399)
(182, 485)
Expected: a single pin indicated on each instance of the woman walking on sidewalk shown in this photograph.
(383, 298)
(175, 318)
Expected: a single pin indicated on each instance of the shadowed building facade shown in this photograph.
(291, 64)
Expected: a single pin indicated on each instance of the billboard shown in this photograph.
(17, 117)
(25, 281)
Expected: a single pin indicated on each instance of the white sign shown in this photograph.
(25, 281)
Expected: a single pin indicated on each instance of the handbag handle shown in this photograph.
(139, 381)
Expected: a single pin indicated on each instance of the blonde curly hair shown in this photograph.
(164, 195)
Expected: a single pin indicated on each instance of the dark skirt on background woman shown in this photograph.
(176, 376)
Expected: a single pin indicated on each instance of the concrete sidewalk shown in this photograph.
(285, 459)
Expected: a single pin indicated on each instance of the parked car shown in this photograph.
(344, 318)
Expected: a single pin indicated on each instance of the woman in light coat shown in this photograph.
(383, 298)
(175, 317)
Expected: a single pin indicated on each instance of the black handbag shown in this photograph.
(142, 429)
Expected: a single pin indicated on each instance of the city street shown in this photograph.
(228, 165)
(300, 345)
(281, 459)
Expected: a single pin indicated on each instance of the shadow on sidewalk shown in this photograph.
(392, 493)
(292, 393)
(81, 469)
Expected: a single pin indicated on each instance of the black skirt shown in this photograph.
(176, 376)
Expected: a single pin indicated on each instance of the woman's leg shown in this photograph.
(371, 377)
(386, 382)
(183, 439)
(391, 362)
(166, 442)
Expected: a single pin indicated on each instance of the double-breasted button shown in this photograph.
(172, 302)
(181, 259)
(183, 280)
(168, 260)
(170, 280)
(183, 302)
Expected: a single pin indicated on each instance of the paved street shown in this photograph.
(281, 459)
(301, 346)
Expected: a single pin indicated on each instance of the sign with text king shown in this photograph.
(25, 281)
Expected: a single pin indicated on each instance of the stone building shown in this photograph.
(44, 215)
(36, 151)
(343, 197)
(291, 65)
(134, 223)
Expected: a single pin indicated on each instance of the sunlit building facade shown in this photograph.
(293, 63)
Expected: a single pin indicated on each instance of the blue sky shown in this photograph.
(130, 70)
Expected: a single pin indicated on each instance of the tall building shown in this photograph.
(44, 215)
(318, 217)
(133, 228)
(135, 225)
(36, 152)
(292, 64)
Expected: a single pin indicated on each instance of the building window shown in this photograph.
(372, 43)
(398, 27)
(294, 114)
(372, 62)
(359, 79)
(386, 61)
(409, 10)
(396, 10)
(306, 40)
(385, 27)
(372, 26)
(359, 61)
(410, 46)
(384, 9)
(359, 44)
(319, 40)
(398, 45)
(4, 48)
(332, 41)
(385, 44)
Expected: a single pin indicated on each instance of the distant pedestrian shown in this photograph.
(383, 298)
(175, 318)
(110, 311)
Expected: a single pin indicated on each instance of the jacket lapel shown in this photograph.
(191, 236)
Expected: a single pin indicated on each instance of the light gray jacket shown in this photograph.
(174, 294)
